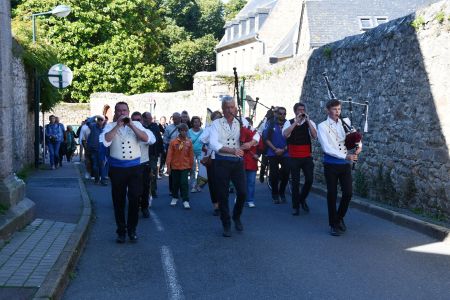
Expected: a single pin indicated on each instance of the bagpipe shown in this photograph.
(246, 133)
(353, 136)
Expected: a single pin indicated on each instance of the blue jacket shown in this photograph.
(54, 130)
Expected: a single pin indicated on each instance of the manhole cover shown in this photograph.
(53, 182)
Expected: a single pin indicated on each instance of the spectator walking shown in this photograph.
(93, 144)
(194, 134)
(53, 137)
(84, 135)
(71, 144)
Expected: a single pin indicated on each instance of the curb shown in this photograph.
(438, 232)
(59, 276)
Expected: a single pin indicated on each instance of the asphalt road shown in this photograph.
(182, 255)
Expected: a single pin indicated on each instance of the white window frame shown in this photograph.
(380, 17)
(360, 18)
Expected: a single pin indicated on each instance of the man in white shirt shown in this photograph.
(124, 138)
(337, 165)
(224, 140)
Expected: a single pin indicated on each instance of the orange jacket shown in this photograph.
(180, 155)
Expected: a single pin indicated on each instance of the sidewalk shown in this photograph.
(36, 261)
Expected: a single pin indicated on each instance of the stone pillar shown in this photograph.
(12, 189)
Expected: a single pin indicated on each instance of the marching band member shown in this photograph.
(229, 166)
(299, 132)
(337, 165)
(124, 137)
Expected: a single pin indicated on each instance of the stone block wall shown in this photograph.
(23, 118)
(69, 113)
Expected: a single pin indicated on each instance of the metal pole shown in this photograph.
(33, 18)
(37, 100)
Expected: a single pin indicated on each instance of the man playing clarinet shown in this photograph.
(337, 165)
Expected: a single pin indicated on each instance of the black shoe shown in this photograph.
(96, 181)
(104, 183)
(282, 199)
(295, 212)
(154, 195)
(133, 237)
(120, 238)
(231, 190)
(305, 206)
(238, 225)
(341, 226)
(145, 213)
(275, 199)
(261, 178)
(334, 231)
(226, 231)
(216, 212)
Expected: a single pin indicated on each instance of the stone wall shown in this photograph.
(23, 118)
(69, 113)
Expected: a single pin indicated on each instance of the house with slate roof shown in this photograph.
(270, 31)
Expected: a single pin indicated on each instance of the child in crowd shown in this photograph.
(180, 158)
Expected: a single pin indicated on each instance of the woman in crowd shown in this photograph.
(53, 137)
(71, 145)
(194, 134)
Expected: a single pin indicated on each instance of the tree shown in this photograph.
(189, 57)
(211, 18)
(111, 45)
(232, 8)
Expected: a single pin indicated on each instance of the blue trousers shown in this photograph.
(251, 178)
(53, 150)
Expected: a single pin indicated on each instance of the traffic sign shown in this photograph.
(60, 76)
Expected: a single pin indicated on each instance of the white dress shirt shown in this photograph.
(332, 137)
(288, 124)
(85, 131)
(223, 135)
(126, 145)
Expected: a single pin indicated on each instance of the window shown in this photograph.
(365, 23)
(381, 20)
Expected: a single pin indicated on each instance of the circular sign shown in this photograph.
(60, 76)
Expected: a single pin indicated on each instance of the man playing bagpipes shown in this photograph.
(337, 163)
(227, 141)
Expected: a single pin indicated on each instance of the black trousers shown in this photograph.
(335, 173)
(143, 199)
(307, 166)
(226, 171)
(210, 171)
(278, 174)
(126, 183)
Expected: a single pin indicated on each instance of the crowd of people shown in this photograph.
(134, 151)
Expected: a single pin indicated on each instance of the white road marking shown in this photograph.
(157, 221)
(175, 291)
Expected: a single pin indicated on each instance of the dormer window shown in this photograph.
(365, 23)
(243, 25)
(381, 20)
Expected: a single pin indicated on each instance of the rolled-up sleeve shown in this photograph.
(214, 137)
(256, 137)
(107, 129)
(151, 137)
(204, 137)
